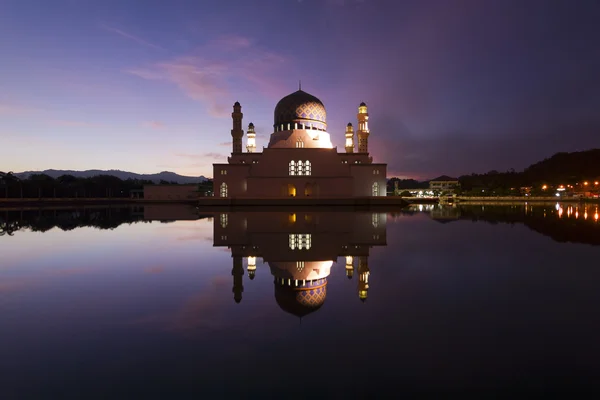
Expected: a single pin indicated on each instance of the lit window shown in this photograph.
(224, 219)
(299, 241)
(223, 189)
(299, 143)
(300, 167)
(307, 168)
(375, 220)
(223, 172)
(300, 265)
(375, 188)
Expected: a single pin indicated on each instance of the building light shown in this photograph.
(586, 183)
(544, 187)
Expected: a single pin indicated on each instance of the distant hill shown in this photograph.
(566, 167)
(164, 175)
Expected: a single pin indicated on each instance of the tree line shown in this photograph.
(560, 169)
(69, 186)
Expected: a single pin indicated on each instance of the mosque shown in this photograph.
(300, 249)
(300, 160)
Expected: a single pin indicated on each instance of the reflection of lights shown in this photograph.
(596, 217)
(420, 207)
(576, 214)
(557, 206)
(585, 215)
(560, 212)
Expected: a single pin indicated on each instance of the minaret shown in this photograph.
(238, 276)
(251, 267)
(363, 128)
(237, 133)
(349, 138)
(363, 278)
(349, 266)
(251, 139)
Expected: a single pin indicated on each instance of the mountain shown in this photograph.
(164, 175)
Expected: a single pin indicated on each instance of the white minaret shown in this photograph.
(363, 128)
(251, 141)
(349, 138)
(237, 133)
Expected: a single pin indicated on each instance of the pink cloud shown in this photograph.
(225, 144)
(155, 270)
(14, 109)
(206, 73)
(154, 124)
(68, 123)
(215, 156)
(131, 37)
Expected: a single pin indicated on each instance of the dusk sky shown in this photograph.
(453, 86)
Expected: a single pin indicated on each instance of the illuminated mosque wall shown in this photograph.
(300, 249)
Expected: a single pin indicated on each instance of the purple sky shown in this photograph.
(453, 86)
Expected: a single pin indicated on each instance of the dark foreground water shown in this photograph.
(163, 302)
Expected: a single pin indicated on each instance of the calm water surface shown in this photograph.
(165, 302)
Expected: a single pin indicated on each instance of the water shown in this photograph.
(157, 302)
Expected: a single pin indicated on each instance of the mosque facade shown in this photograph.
(300, 160)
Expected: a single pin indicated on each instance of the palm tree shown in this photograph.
(8, 178)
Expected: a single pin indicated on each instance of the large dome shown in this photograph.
(301, 301)
(300, 108)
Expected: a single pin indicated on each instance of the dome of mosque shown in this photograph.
(303, 108)
(301, 301)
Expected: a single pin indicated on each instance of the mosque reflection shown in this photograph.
(299, 249)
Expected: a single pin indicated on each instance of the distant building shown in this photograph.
(443, 183)
(300, 160)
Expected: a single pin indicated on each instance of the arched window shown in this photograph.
(293, 168)
(223, 189)
(300, 168)
(224, 220)
(307, 168)
(375, 188)
(299, 143)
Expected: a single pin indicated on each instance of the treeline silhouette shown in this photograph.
(42, 220)
(69, 186)
(543, 219)
(560, 169)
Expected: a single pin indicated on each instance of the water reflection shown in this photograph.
(156, 307)
(573, 223)
(299, 248)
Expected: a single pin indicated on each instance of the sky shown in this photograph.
(453, 86)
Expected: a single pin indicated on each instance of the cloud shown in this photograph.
(69, 123)
(131, 37)
(215, 156)
(155, 270)
(205, 75)
(154, 124)
(225, 144)
(14, 109)
(212, 155)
